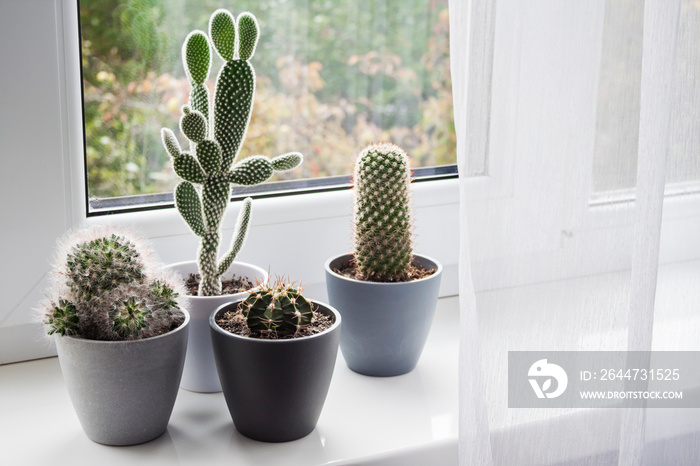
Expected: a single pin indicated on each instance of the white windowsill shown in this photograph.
(410, 419)
(585, 314)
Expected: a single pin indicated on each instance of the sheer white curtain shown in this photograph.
(577, 237)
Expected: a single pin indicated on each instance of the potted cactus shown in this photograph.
(385, 292)
(215, 139)
(120, 334)
(275, 352)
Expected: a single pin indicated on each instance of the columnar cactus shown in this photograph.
(106, 290)
(279, 309)
(215, 140)
(383, 225)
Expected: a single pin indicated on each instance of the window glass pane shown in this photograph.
(684, 160)
(617, 125)
(332, 76)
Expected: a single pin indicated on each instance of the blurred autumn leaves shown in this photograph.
(327, 104)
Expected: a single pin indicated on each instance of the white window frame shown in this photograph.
(531, 135)
(593, 216)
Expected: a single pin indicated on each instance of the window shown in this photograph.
(617, 126)
(547, 129)
(291, 235)
(331, 77)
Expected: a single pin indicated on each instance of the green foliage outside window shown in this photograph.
(333, 76)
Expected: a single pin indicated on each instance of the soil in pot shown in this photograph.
(235, 322)
(233, 285)
(415, 271)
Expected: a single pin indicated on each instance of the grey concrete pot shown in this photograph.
(200, 369)
(123, 391)
(275, 389)
(385, 325)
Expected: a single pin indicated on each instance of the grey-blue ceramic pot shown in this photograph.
(385, 325)
(124, 391)
(275, 389)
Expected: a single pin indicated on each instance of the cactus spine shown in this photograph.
(279, 309)
(215, 139)
(107, 293)
(383, 225)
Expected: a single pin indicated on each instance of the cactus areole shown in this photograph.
(215, 138)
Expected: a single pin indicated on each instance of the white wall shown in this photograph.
(34, 189)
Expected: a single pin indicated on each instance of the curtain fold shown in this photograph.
(545, 265)
(656, 110)
(471, 103)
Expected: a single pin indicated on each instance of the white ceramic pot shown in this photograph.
(200, 369)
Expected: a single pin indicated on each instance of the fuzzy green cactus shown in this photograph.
(383, 225)
(280, 309)
(104, 290)
(215, 139)
(115, 258)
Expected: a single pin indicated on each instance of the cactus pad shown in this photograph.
(193, 125)
(242, 224)
(248, 32)
(286, 161)
(209, 156)
(196, 54)
(233, 106)
(251, 171)
(170, 142)
(188, 168)
(190, 207)
(222, 29)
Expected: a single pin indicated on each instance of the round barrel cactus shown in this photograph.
(97, 266)
(280, 309)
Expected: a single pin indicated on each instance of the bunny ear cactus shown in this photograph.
(215, 139)
(383, 225)
(108, 291)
